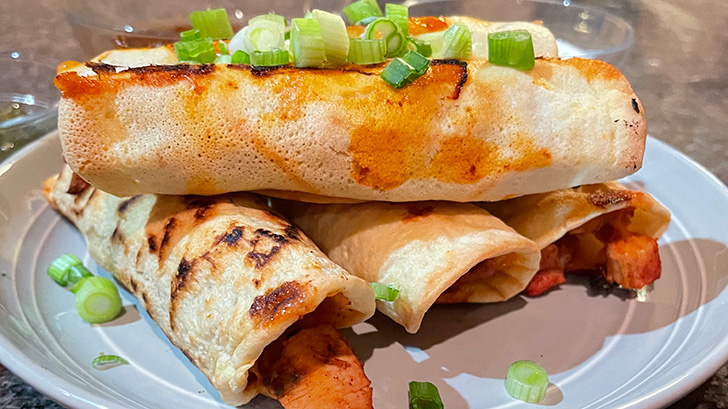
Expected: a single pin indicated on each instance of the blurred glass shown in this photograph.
(28, 100)
(581, 30)
(100, 25)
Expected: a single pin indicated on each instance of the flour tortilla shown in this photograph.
(545, 218)
(222, 276)
(466, 131)
(422, 249)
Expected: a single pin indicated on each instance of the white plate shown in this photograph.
(601, 351)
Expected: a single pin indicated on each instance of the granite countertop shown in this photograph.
(677, 67)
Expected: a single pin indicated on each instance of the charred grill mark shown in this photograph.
(152, 241)
(124, 205)
(635, 105)
(265, 239)
(203, 213)
(117, 236)
(604, 199)
(230, 238)
(463, 74)
(264, 71)
(415, 211)
(178, 69)
(185, 272)
(168, 230)
(208, 257)
(77, 185)
(292, 232)
(285, 300)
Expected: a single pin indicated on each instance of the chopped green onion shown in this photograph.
(77, 273)
(212, 23)
(399, 14)
(104, 361)
(417, 61)
(333, 31)
(275, 18)
(97, 299)
(60, 268)
(190, 35)
(384, 292)
(397, 72)
(307, 44)
(270, 58)
(224, 59)
(365, 21)
(457, 42)
(265, 35)
(435, 42)
(222, 48)
(360, 10)
(387, 30)
(527, 381)
(421, 46)
(424, 395)
(201, 51)
(363, 51)
(240, 57)
(512, 49)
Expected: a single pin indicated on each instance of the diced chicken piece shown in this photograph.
(315, 369)
(633, 261)
(550, 273)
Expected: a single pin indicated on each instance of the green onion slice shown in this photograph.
(333, 31)
(435, 42)
(512, 49)
(190, 35)
(363, 51)
(421, 46)
(200, 51)
(275, 18)
(61, 267)
(527, 381)
(307, 44)
(78, 273)
(270, 58)
(212, 23)
(222, 48)
(224, 59)
(424, 395)
(384, 292)
(360, 10)
(97, 299)
(400, 15)
(387, 30)
(265, 35)
(104, 361)
(417, 61)
(240, 57)
(457, 42)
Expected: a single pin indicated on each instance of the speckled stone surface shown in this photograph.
(677, 67)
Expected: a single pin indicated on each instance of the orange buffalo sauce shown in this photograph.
(422, 25)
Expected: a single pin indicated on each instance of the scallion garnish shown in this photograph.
(387, 30)
(424, 395)
(435, 42)
(97, 299)
(199, 51)
(275, 18)
(362, 51)
(527, 381)
(224, 59)
(222, 48)
(384, 292)
(457, 42)
(417, 61)
(271, 58)
(240, 57)
(104, 361)
(212, 23)
(512, 49)
(400, 15)
(333, 31)
(190, 35)
(60, 268)
(421, 46)
(360, 10)
(307, 44)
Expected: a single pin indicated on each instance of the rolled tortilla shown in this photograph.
(138, 122)
(430, 251)
(222, 276)
(581, 214)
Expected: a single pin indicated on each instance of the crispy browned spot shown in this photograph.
(185, 273)
(124, 205)
(284, 302)
(266, 245)
(462, 75)
(611, 197)
(168, 230)
(77, 185)
(117, 236)
(292, 232)
(152, 241)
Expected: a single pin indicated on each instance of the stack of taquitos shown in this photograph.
(136, 122)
